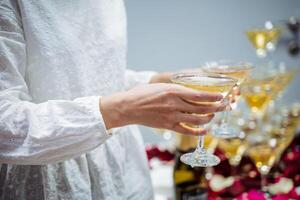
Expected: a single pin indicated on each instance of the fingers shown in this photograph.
(187, 123)
(201, 109)
(196, 96)
(193, 119)
(188, 131)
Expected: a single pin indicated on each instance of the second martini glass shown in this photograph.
(237, 70)
(207, 83)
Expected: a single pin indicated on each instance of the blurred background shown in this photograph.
(170, 35)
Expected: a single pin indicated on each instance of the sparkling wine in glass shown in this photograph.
(206, 83)
(234, 149)
(259, 38)
(264, 151)
(258, 93)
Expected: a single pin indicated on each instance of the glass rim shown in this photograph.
(175, 77)
(262, 28)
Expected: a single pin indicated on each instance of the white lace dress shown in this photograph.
(56, 58)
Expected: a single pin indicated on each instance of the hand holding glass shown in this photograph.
(207, 83)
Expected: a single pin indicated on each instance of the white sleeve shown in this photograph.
(43, 133)
(134, 78)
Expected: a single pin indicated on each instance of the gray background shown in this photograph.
(167, 35)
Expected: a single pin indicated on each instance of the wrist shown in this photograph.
(113, 110)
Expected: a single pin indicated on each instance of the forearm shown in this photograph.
(49, 132)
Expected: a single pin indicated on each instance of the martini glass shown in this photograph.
(264, 151)
(234, 149)
(264, 40)
(258, 93)
(284, 77)
(259, 38)
(237, 70)
(206, 83)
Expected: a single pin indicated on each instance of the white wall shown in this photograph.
(169, 35)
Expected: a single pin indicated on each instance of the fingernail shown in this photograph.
(211, 115)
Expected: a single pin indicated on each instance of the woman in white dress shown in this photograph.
(67, 103)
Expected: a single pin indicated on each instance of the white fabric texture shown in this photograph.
(56, 59)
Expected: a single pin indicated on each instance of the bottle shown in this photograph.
(189, 183)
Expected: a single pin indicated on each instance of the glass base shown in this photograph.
(225, 131)
(200, 158)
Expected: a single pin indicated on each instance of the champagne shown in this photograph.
(259, 38)
(257, 101)
(258, 93)
(264, 156)
(189, 182)
(234, 149)
(210, 84)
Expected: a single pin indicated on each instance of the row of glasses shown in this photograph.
(267, 143)
(266, 149)
(261, 92)
(264, 39)
(272, 133)
(257, 93)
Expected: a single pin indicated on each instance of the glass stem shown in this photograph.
(226, 112)
(201, 142)
(260, 122)
(264, 187)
